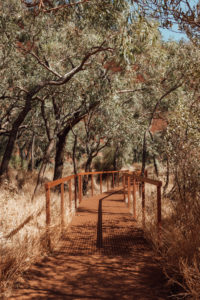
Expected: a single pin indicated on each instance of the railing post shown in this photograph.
(107, 182)
(80, 188)
(113, 177)
(92, 185)
(118, 178)
(48, 216)
(75, 191)
(100, 183)
(129, 189)
(134, 198)
(143, 204)
(159, 216)
(62, 207)
(124, 186)
(70, 193)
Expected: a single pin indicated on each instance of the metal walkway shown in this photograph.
(103, 255)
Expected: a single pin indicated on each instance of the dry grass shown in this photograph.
(180, 244)
(29, 244)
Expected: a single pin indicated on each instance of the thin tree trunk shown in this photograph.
(167, 177)
(61, 140)
(85, 178)
(60, 151)
(155, 165)
(45, 160)
(74, 163)
(144, 154)
(31, 164)
(13, 135)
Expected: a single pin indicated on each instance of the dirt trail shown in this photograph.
(123, 268)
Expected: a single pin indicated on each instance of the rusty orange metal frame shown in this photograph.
(128, 179)
(77, 194)
(135, 177)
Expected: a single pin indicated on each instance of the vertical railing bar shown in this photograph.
(80, 188)
(62, 206)
(143, 204)
(75, 191)
(101, 183)
(92, 185)
(159, 216)
(48, 216)
(113, 176)
(124, 186)
(134, 198)
(70, 194)
(129, 190)
(107, 182)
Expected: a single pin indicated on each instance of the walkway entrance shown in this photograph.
(103, 255)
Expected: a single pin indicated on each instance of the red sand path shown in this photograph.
(124, 268)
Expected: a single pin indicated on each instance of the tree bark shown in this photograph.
(13, 135)
(155, 165)
(60, 151)
(61, 140)
(144, 154)
(45, 160)
(85, 178)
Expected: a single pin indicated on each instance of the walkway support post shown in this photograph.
(80, 188)
(101, 183)
(92, 185)
(75, 191)
(124, 186)
(143, 204)
(70, 193)
(134, 198)
(107, 182)
(62, 223)
(129, 189)
(159, 217)
(48, 216)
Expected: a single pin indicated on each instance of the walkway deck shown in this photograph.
(122, 267)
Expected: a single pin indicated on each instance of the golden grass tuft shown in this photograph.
(28, 245)
(179, 248)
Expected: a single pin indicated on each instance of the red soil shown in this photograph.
(121, 267)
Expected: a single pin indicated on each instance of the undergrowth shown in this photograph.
(29, 245)
(179, 246)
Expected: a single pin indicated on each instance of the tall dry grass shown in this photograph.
(179, 247)
(29, 244)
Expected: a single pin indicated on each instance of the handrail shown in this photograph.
(128, 179)
(135, 178)
(78, 192)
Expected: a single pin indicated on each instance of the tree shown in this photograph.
(182, 12)
(38, 49)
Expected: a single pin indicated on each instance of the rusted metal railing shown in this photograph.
(78, 195)
(133, 179)
(130, 183)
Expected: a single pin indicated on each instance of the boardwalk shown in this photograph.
(118, 266)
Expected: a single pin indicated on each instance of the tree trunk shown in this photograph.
(155, 165)
(60, 145)
(144, 154)
(45, 160)
(13, 135)
(167, 177)
(115, 159)
(60, 151)
(74, 164)
(85, 178)
(32, 161)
